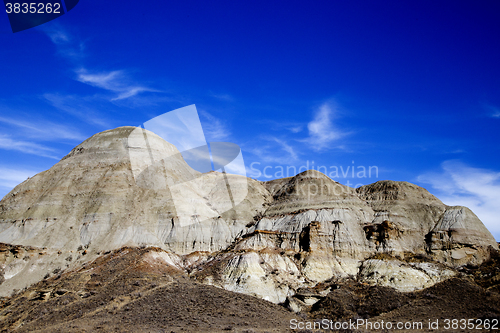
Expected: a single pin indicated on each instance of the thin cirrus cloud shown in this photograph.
(82, 107)
(271, 150)
(85, 108)
(59, 37)
(295, 129)
(321, 135)
(286, 147)
(281, 126)
(68, 46)
(475, 188)
(492, 110)
(222, 97)
(114, 81)
(322, 132)
(9, 178)
(8, 143)
(214, 128)
(44, 130)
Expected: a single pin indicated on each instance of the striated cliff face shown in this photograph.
(92, 199)
(285, 235)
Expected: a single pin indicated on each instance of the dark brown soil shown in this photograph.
(471, 295)
(456, 298)
(123, 292)
(119, 292)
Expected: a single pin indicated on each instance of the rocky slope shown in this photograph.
(147, 290)
(128, 187)
(135, 290)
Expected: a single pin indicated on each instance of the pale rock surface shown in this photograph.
(244, 273)
(405, 213)
(306, 191)
(22, 266)
(128, 187)
(459, 237)
(101, 197)
(402, 276)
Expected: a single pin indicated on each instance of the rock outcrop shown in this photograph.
(135, 290)
(275, 240)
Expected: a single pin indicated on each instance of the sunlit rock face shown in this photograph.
(128, 187)
(98, 198)
(403, 276)
(459, 238)
(92, 198)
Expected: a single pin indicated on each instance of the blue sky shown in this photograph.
(411, 88)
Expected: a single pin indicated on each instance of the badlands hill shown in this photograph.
(288, 241)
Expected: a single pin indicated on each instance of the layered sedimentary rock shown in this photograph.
(128, 187)
(92, 199)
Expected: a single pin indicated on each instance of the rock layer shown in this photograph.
(128, 187)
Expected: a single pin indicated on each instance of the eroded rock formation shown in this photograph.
(283, 239)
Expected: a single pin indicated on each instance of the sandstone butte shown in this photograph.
(280, 243)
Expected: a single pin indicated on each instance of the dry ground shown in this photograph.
(123, 292)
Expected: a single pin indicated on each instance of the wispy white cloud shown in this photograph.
(286, 147)
(222, 97)
(131, 91)
(272, 150)
(215, 129)
(68, 46)
(264, 155)
(59, 37)
(492, 110)
(478, 189)
(116, 81)
(283, 125)
(295, 129)
(10, 178)
(105, 80)
(44, 130)
(27, 147)
(82, 107)
(322, 131)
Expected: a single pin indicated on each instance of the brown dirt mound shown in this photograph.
(472, 295)
(118, 292)
(124, 291)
